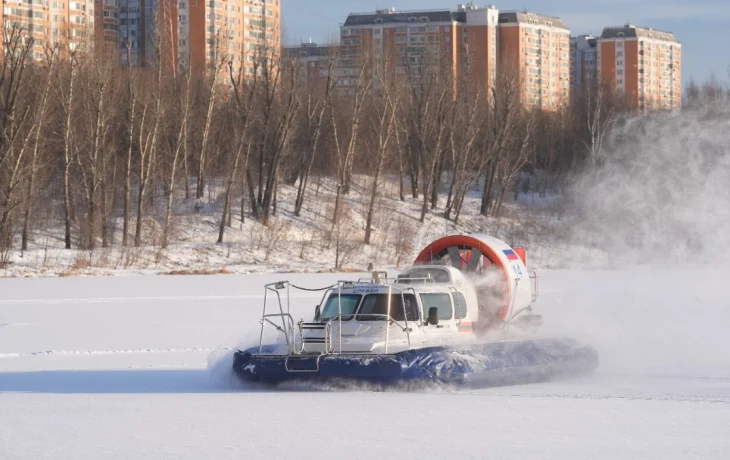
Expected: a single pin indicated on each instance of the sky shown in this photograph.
(702, 26)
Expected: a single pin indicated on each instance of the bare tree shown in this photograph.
(99, 111)
(178, 150)
(314, 116)
(147, 142)
(430, 102)
(212, 93)
(465, 125)
(67, 84)
(502, 132)
(345, 129)
(382, 116)
(279, 105)
(244, 92)
(17, 124)
(132, 102)
(38, 143)
(600, 117)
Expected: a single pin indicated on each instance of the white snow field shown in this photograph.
(117, 367)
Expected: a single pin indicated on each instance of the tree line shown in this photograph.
(86, 142)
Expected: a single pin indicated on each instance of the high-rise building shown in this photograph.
(583, 62)
(411, 43)
(403, 41)
(197, 34)
(530, 49)
(63, 26)
(642, 63)
(106, 26)
(315, 61)
(534, 52)
(131, 38)
(481, 45)
(148, 31)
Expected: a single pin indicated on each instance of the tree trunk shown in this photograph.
(28, 209)
(202, 158)
(140, 208)
(229, 192)
(128, 173)
(67, 206)
(252, 195)
(373, 196)
(67, 161)
(487, 191)
(436, 183)
(335, 213)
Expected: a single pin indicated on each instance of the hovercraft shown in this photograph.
(461, 315)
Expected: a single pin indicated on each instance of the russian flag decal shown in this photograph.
(511, 255)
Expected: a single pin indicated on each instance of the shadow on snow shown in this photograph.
(115, 381)
(171, 381)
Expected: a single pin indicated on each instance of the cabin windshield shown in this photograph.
(377, 304)
(348, 302)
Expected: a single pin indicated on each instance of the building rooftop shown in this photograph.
(632, 31)
(528, 17)
(392, 16)
(588, 39)
(309, 50)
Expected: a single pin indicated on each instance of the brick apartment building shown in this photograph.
(315, 61)
(413, 42)
(63, 25)
(642, 63)
(533, 50)
(178, 33)
(190, 34)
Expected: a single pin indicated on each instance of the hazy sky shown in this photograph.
(702, 26)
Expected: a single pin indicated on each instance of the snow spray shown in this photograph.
(662, 192)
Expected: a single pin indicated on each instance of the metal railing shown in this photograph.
(331, 346)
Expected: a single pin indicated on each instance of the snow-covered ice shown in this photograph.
(117, 367)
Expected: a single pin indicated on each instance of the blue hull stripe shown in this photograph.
(480, 365)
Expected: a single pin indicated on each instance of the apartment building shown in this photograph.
(232, 31)
(534, 51)
(412, 43)
(480, 44)
(315, 61)
(403, 42)
(530, 49)
(106, 26)
(644, 64)
(583, 62)
(64, 25)
(147, 29)
(198, 34)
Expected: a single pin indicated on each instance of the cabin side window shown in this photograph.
(375, 307)
(347, 302)
(459, 305)
(440, 301)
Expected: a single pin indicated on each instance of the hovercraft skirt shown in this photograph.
(477, 365)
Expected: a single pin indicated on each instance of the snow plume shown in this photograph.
(662, 191)
(490, 291)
